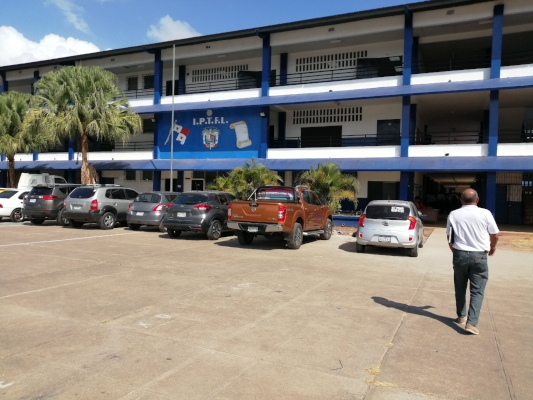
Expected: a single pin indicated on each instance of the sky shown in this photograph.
(33, 30)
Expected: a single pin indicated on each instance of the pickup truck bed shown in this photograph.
(284, 211)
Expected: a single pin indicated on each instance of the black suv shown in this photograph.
(102, 204)
(199, 212)
(46, 202)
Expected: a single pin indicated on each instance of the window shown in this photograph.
(147, 175)
(148, 81)
(169, 88)
(131, 175)
(329, 61)
(327, 115)
(148, 125)
(132, 83)
(218, 73)
(131, 194)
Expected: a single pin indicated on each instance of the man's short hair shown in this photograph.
(469, 199)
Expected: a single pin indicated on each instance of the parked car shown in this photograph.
(11, 204)
(46, 202)
(280, 211)
(104, 205)
(391, 223)
(202, 211)
(149, 208)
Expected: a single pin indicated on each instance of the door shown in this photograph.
(310, 211)
(322, 136)
(388, 132)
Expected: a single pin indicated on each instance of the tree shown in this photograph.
(330, 184)
(242, 181)
(13, 139)
(82, 103)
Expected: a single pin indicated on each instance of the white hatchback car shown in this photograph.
(11, 204)
(391, 223)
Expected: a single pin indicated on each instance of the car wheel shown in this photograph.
(215, 230)
(36, 221)
(61, 220)
(16, 215)
(75, 224)
(162, 228)
(359, 248)
(327, 231)
(134, 227)
(413, 252)
(245, 238)
(173, 233)
(295, 237)
(108, 220)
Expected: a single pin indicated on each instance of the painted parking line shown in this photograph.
(66, 240)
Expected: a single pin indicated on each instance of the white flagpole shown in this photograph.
(172, 119)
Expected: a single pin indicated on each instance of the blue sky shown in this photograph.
(32, 30)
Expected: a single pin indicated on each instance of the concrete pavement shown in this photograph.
(92, 314)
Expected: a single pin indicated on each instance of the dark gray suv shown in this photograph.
(199, 212)
(104, 205)
(46, 202)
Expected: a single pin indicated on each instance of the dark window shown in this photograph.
(41, 191)
(230, 198)
(131, 194)
(392, 211)
(148, 198)
(169, 88)
(59, 180)
(322, 136)
(116, 194)
(82, 193)
(147, 175)
(388, 132)
(191, 199)
(171, 197)
(222, 199)
(148, 81)
(63, 190)
(383, 190)
(132, 83)
(148, 125)
(131, 175)
(22, 195)
(7, 194)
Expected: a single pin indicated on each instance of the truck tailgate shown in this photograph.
(250, 211)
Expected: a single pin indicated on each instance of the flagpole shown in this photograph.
(172, 119)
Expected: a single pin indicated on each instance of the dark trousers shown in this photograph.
(470, 266)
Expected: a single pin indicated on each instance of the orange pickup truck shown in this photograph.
(288, 212)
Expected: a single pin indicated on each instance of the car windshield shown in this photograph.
(82, 193)
(389, 211)
(275, 193)
(7, 194)
(148, 198)
(40, 191)
(192, 198)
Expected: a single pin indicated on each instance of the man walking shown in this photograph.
(472, 235)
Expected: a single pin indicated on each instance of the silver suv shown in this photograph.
(46, 202)
(104, 205)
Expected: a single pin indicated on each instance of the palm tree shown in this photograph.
(330, 184)
(13, 110)
(82, 103)
(242, 181)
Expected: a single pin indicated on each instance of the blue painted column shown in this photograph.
(284, 67)
(266, 65)
(3, 83)
(156, 183)
(158, 77)
(182, 70)
(494, 104)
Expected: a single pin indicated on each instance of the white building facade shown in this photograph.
(418, 100)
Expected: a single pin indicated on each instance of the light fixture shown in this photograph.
(337, 103)
(262, 114)
(395, 58)
(221, 56)
(335, 41)
(485, 21)
(153, 119)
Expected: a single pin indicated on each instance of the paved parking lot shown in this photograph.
(93, 314)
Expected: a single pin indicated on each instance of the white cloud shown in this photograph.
(73, 13)
(16, 49)
(168, 29)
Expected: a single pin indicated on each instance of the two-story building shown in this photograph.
(424, 99)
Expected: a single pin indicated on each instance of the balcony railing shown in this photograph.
(98, 146)
(138, 93)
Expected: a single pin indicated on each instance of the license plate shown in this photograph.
(384, 239)
(76, 206)
(32, 200)
(181, 215)
(139, 213)
(253, 229)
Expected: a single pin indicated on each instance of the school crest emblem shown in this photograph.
(210, 136)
